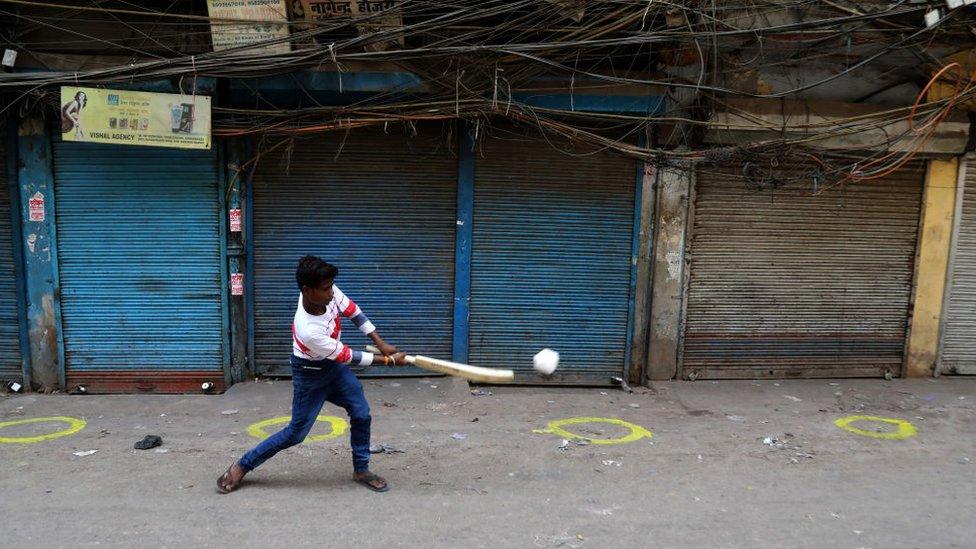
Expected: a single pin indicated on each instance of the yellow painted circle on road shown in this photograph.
(74, 425)
(905, 429)
(556, 428)
(339, 426)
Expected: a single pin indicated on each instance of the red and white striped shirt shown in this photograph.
(316, 337)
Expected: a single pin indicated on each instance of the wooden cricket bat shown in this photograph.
(472, 373)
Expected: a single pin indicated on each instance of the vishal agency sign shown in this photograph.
(135, 118)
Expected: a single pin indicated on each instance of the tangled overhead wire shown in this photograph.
(479, 60)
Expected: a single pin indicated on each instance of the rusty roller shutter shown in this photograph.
(788, 283)
(958, 354)
(379, 205)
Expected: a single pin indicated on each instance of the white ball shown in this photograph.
(545, 361)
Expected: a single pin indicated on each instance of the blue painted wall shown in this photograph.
(36, 178)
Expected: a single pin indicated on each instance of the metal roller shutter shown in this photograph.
(787, 283)
(11, 362)
(139, 258)
(551, 259)
(958, 352)
(380, 206)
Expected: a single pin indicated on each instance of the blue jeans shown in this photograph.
(314, 383)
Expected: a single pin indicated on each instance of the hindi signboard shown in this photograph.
(228, 35)
(372, 16)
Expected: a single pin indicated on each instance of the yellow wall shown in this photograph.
(933, 260)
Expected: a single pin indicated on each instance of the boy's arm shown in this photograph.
(336, 350)
(352, 311)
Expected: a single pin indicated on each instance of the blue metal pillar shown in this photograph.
(247, 211)
(36, 183)
(236, 256)
(462, 242)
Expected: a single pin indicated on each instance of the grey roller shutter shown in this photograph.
(788, 282)
(958, 353)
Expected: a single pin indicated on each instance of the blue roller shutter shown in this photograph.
(380, 206)
(139, 256)
(11, 363)
(551, 259)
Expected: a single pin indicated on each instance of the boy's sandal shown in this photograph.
(369, 480)
(226, 484)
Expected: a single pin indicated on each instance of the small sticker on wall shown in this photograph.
(36, 206)
(237, 284)
(235, 220)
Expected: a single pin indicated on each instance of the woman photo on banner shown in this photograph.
(71, 115)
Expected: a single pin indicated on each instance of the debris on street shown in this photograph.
(149, 441)
(620, 382)
(381, 448)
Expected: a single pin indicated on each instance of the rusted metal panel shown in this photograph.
(789, 282)
(551, 259)
(381, 206)
(145, 381)
(958, 348)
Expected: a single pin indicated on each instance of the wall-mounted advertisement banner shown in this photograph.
(135, 118)
(228, 35)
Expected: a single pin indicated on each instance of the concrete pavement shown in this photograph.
(730, 464)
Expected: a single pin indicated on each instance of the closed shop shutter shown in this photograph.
(11, 363)
(380, 206)
(139, 259)
(551, 259)
(788, 282)
(958, 354)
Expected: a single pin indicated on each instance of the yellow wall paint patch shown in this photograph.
(905, 429)
(74, 425)
(339, 426)
(557, 428)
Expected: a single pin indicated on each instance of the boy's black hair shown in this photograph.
(312, 271)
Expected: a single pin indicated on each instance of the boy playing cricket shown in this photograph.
(320, 372)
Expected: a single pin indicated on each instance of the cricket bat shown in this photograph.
(471, 373)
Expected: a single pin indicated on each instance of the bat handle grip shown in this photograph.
(376, 351)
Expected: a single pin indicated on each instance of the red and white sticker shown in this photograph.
(235, 220)
(36, 206)
(237, 284)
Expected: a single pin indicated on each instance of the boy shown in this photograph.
(320, 372)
